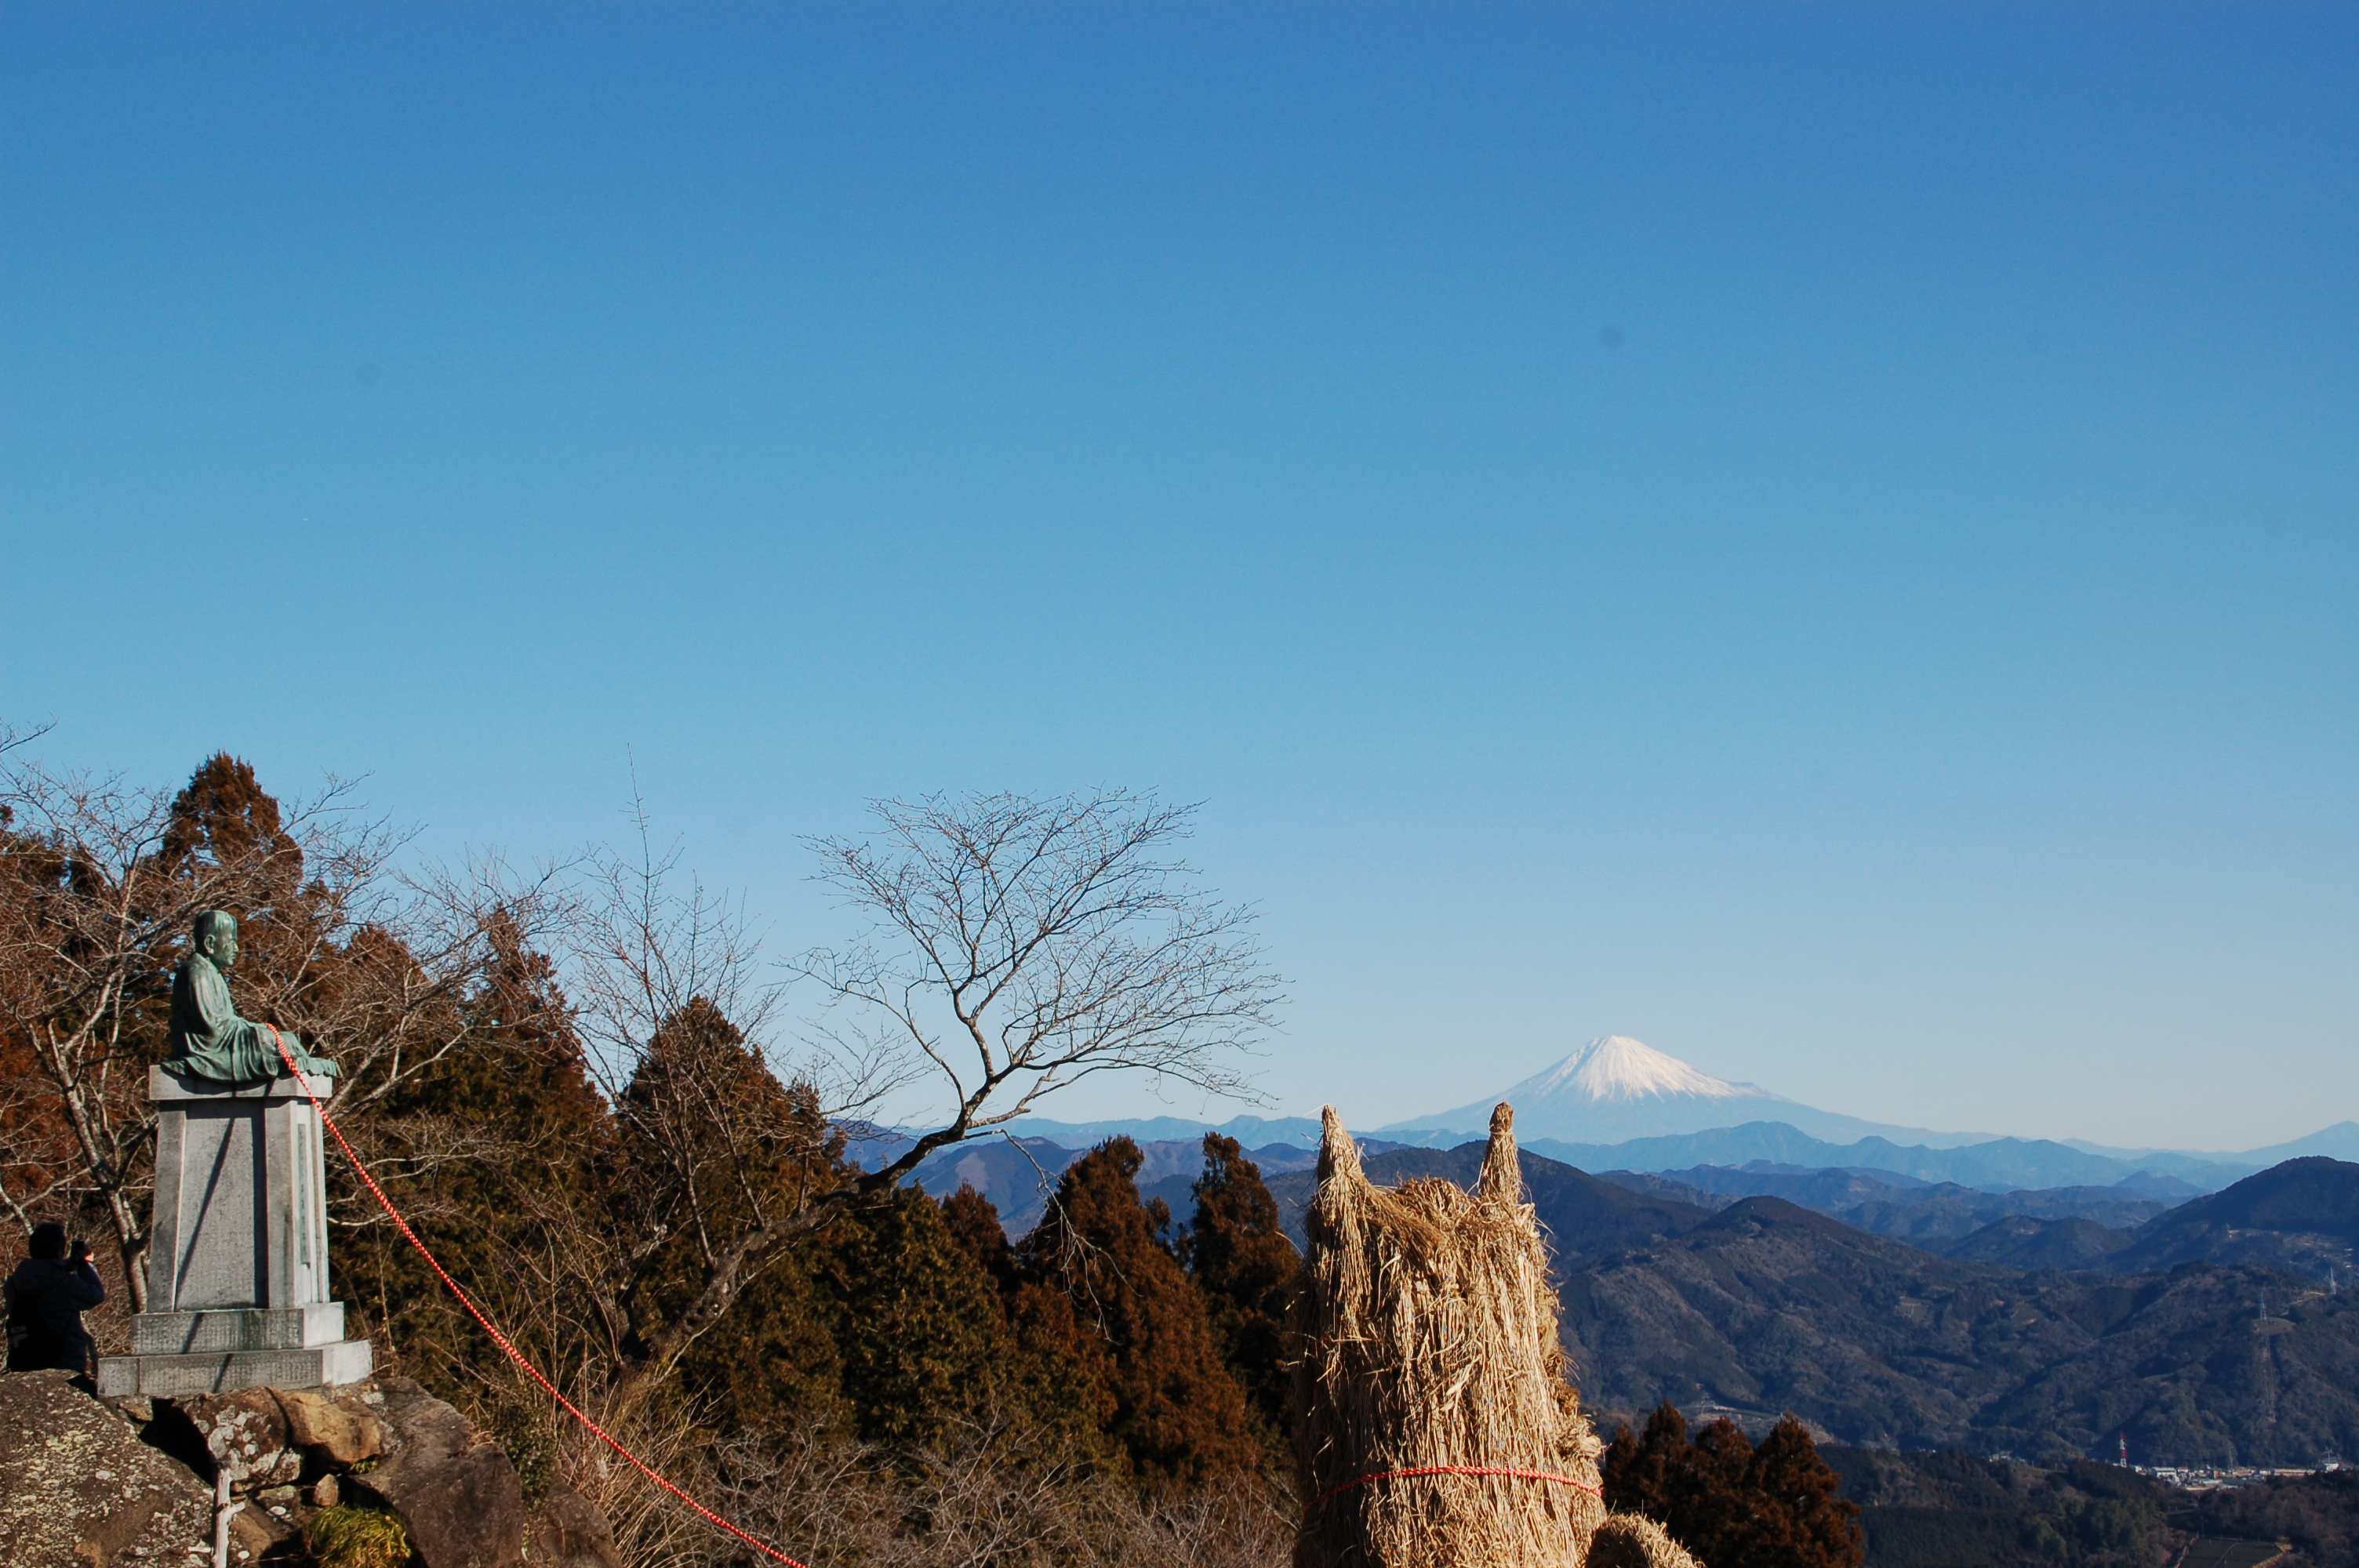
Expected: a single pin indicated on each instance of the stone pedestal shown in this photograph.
(237, 1265)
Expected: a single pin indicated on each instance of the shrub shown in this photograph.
(356, 1538)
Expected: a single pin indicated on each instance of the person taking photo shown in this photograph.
(45, 1298)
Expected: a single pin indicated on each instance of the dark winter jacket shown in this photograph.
(46, 1300)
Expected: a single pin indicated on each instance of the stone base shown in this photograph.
(174, 1376)
(237, 1328)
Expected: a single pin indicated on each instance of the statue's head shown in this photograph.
(216, 936)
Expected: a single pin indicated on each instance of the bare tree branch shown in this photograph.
(1016, 947)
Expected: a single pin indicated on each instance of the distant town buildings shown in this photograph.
(2203, 1478)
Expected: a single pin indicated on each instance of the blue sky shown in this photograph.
(1822, 537)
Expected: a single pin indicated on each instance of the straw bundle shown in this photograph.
(1428, 1341)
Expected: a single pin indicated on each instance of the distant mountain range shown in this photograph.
(1017, 1174)
(1618, 1104)
(2001, 1164)
(1253, 1131)
(2054, 1228)
(1998, 1165)
(2340, 1141)
(1892, 1306)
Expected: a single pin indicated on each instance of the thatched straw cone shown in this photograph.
(1428, 1341)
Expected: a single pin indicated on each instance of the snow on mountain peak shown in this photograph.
(1617, 1088)
(1616, 1067)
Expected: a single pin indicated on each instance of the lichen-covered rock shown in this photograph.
(263, 1532)
(272, 1437)
(245, 1432)
(453, 1489)
(84, 1485)
(78, 1490)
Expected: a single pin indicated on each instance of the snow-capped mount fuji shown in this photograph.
(1617, 1067)
(1617, 1088)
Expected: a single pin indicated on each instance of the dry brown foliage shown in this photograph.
(989, 1499)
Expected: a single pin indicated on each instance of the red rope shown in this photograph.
(501, 1340)
(1333, 1492)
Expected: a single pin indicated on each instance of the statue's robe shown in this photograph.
(209, 1039)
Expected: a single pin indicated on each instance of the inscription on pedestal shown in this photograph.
(216, 1259)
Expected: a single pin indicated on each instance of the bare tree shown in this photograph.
(1013, 946)
(722, 1157)
(1018, 945)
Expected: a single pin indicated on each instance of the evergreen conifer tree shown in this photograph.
(1239, 1257)
(1636, 1469)
(1174, 1411)
(1056, 1375)
(1730, 1504)
(921, 1336)
(499, 1156)
(1817, 1527)
(706, 1138)
(973, 1221)
(224, 816)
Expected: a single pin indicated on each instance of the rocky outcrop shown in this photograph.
(77, 1488)
(273, 1437)
(570, 1533)
(337, 1432)
(452, 1486)
(87, 1482)
(244, 1436)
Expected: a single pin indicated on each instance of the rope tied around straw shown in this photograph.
(1510, 1472)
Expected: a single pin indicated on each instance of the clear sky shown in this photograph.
(1823, 538)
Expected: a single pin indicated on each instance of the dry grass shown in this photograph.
(651, 1529)
(1429, 1338)
(992, 1499)
(984, 1503)
(1633, 1540)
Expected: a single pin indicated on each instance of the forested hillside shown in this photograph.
(1767, 1306)
(2302, 1215)
(1764, 1306)
(1952, 1509)
(1937, 1216)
